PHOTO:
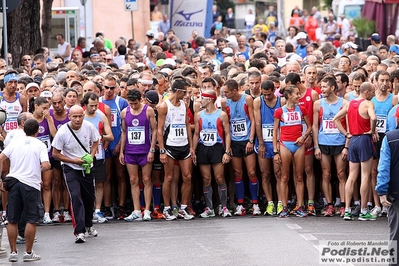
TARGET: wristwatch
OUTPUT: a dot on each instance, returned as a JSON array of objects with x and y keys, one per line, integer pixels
[
  {"x": 228, "y": 153},
  {"x": 152, "y": 150},
  {"x": 251, "y": 141},
  {"x": 276, "y": 152},
  {"x": 162, "y": 151}
]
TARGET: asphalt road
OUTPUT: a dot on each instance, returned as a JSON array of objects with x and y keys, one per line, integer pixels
[{"x": 214, "y": 241}]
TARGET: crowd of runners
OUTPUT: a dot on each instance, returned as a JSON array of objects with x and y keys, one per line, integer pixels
[{"x": 224, "y": 126}]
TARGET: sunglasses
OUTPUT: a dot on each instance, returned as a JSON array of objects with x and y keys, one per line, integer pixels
[
  {"x": 26, "y": 59},
  {"x": 109, "y": 87}
]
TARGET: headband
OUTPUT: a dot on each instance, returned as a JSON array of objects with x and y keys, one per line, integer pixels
[
  {"x": 94, "y": 55},
  {"x": 145, "y": 81},
  {"x": 10, "y": 77},
  {"x": 209, "y": 95}
]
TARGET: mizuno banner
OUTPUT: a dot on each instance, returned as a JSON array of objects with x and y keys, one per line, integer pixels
[{"x": 190, "y": 15}]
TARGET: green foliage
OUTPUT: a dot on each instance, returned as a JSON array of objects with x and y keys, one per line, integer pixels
[
  {"x": 327, "y": 4},
  {"x": 364, "y": 27}
]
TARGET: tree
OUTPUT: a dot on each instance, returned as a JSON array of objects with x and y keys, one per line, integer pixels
[
  {"x": 23, "y": 26},
  {"x": 46, "y": 22}
]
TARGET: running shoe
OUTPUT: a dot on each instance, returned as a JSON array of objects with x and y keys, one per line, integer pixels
[
  {"x": 156, "y": 214},
  {"x": 256, "y": 210},
  {"x": 80, "y": 238},
  {"x": 356, "y": 211},
  {"x": 270, "y": 209},
  {"x": 147, "y": 215},
  {"x": 47, "y": 219},
  {"x": 67, "y": 216},
  {"x": 284, "y": 213},
  {"x": 191, "y": 211},
  {"x": 21, "y": 240},
  {"x": 168, "y": 215},
  {"x": 98, "y": 217},
  {"x": 300, "y": 212},
  {"x": 91, "y": 231},
  {"x": 57, "y": 218},
  {"x": 120, "y": 213},
  {"x": 207, "y": 213},
  {"x": 135, "y": 216},
  {"x": 348, "y": 216},
  {"x": 367, "y": 217},
  {"x": 32, "y": 256},
  {"x": 240, "y": 211},
  {"x": 220, "y": 210},
  {"x": 311, "y": 210},
  {"x": 13, "y": 257},
  {"x": 293, "y": 211},
  {"x": 384, "y": 211},
  {"x": 376, "y": 211},
  {"x": 330, "y": 211},
  {"x": 175, "y": 212},
  {"x": 225, "y": 212},
  {"x": 280, "y": 207},
  {"x": 185, "y": 214},
  {"x": 107, "y": 213},
  {"x": 3, "y": 220},
  {"x": 342, "y": 211}
]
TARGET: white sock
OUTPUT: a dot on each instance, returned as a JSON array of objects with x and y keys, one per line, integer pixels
[
  {"x": 47, "y": 214},
  {"x": 182, "y": 207},
  {"x": 369, "y": 203},
  {"x": 357, "y": 202},
  {"x": 325, "y": 201},
  {"x": 97, "y": 210}
]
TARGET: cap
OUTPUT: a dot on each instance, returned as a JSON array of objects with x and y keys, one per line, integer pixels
[
  {"x": 227, "y": 50},
  {"x": 159, "y": 62},
  {"x": 38, "y": 79},
  {"x": 375, "y": 37},
  {"x": 152, "y": 97},
  {"x": 32, "y": 84},
  {"x": 75, "y": 82},
  {"x": 150, "y": 33},
  {"x": 394, "y": 48},
  {"x": 300, "y": 35},
  {"x": 167, "y": 71},
  {"x": 295, "y": 57},
  {"x": 46, "y": 94},
  {"x": 169, "y": 61},
  {"x": 349, "y": 45}
]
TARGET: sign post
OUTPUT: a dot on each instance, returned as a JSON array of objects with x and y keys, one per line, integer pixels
[{"x": 131, "y": 5}]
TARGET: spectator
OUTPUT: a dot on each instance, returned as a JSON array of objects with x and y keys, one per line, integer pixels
[
  {"x": 230, "y": 19},
  {"x": 164, "y": 25},
  {"x": 272, "y": 17},
  {"x": 249, "y": 22},
  {"x": 156, "y": 14}
]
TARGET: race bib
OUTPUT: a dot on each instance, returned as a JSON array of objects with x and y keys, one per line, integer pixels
[
  {"x": 114, "y": 116},
  {"x": 381, "y": 124},
  {"x": 136, "y": 135},
  {"x": 329, "y": 127},
  {"x": 11, "y": 124},
  {"x": 239, "y": 127},
  {"x": 46, "y": 141},
  {"x": 178, "y": 132},
  {"x": 208, "y": 137},
  {"x": 267, "y": 132},
  {"x": 292, "y": 118}
]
